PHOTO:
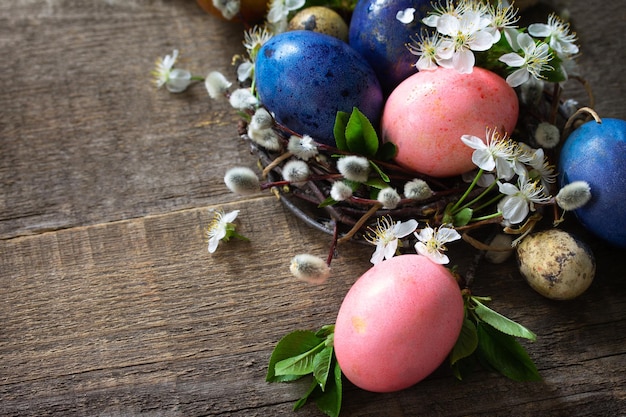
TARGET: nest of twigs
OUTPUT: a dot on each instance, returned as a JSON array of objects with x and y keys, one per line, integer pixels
[{"x": 354, "y": 219}]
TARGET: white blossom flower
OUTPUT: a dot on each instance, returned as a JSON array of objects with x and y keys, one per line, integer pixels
[
  {"x": 520, "y": 200},
  {"x": 450, "y": 8},
  {"x": 279, "y": 12},
  {"x": 389, "y": 198},
  {"x": 573, "y": 195},
  {"x": 303, "y": 147},
  {"x": 431, "y": 242},
  {"x": 426, "y": 48},
  {"x": 353, "y": 167},
  {"x": 541, "y": 169},
  {"x": 406, "y": 16},
  {"x": 241, "y": 180},
  {"x": 340, "y": 191},
  {"x": 462, "y": 36},
  {"x": 309, "y": 268},
  {"x": 228, "y": 8},
  {"x": 174, "y": 79},
  {"x": 557, "y": 34},
  {"x": 254, "y": 39},
  {"x": 503, "y": 18},
  {"x": 533, "y": 62},
  {"x": 494, "y": 153},
  {"x": 216, "y": 84},
  {"x": 245, "y": 70},
  {"x": 218, "y": 228},
  {"x": 296, "y": 172},
  {"x": 386, "y": 237},
  {"x": 242, "y": 99}
]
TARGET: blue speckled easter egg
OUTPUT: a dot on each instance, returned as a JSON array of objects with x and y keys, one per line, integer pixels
[
  {"x": 305, "y": 77},
  {"x": 381, "y": 38},
  {"x": 595, "y": 153}
]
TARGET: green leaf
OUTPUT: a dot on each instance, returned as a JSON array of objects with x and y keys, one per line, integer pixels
[
  {"x": 329, "y": 402},
  {"x": 380, "y": 172},
  {"x": 360, "y": 135},
  {"x": 293, "y": 344},
  {"x": 329, "y": 201},
  {"x": 310, "y": 393},
  {"x": 463, "y": 217},
  {"x": 377, "y": 183},
  {"x": 301, "y": 364},
  {"x": 500, "y": 322},
  {"x": 321, "y": 366},
  {"x": 505, "y": 354},
  {"x": 467, "y": 342},
  {"x": 339, "y": 130}
]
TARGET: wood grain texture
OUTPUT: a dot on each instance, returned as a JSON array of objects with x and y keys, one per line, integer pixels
[{"x": 110, "y": 304}]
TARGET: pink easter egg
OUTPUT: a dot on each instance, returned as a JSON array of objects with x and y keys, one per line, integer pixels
[{"x": 426, "y": 115}]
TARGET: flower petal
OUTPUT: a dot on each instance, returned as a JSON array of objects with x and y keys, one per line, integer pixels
[{"x": 404, "y": 229}]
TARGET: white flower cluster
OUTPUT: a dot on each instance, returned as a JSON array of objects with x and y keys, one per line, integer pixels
[
  {"x": 503, "y": 159},
  {"x": 430, "y": 242},
  {"x": 468, "y": 26}
]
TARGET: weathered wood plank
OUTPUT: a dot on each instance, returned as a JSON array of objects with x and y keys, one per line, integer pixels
[
  {"x": 135, "y": 317},
  {"x": 86, "y": 137}
]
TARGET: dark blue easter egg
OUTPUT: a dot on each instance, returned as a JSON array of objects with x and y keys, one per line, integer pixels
[
  {"x": 381, "y": 38},
  {"x": 596, "y": 153},
  {"x": 305, "y": 77}
]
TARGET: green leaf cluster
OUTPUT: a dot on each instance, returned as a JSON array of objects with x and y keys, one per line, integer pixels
[
  {"x": 489, "y": 338},
  {"x": 306, "y": 353},
  {"x": 354, "y": 133}
]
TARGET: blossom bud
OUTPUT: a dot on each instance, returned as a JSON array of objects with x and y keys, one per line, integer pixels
[
  {"x": 296, "y": 172},
  {"x": 573, "y": 195},
  {"x": 267, "y": 138},
  {"x": 354, "y": 168},
  {"x": 340, "y": 191},
  {"x": 216, "y": 84},
  {"x": 241, "y": 180},
  {"x": 547, "y": 135},
  {"x": 302, "y": 147},
  {"x": 242, "y": 99},
  {"x": 262, "y": 119},
  {"x": 417, "y": 189},
  {"x": 389, "y": 198},
  {"x": 309, "y": 268}
]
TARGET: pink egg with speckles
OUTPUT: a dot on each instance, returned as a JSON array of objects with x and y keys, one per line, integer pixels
[{"x": 426, "y": 115}]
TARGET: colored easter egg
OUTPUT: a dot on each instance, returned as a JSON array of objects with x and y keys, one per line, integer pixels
[
  {"x": 426, "y": 115},
  {"x": 398, "y": 323},
  {"x": 320, "y": 19},
  {"x": 382, "y": 39},
  {"x": 305, "y": 78},
  {"x": 594, "y": 153}
]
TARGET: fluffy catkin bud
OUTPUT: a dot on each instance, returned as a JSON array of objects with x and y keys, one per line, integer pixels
[
  {"x": 262, "y": 119},
  {"x": 547, "y": 135},
  {"x": 340, "y": 191},
  {"x": 216, "y": 84},
  {"x": 573, "y": 195},
  {"x": 303, "y": 147},
  {"x": 296, "y": 172},
  {"x": 241, "y": 180},
  {"x": 309, "y": 268},
  {"x": 242, "y": 99},
  {"x": 417, "y": 189},
  {"x": 389, "y": 198},
  {"x": 354, "y": 168}
]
